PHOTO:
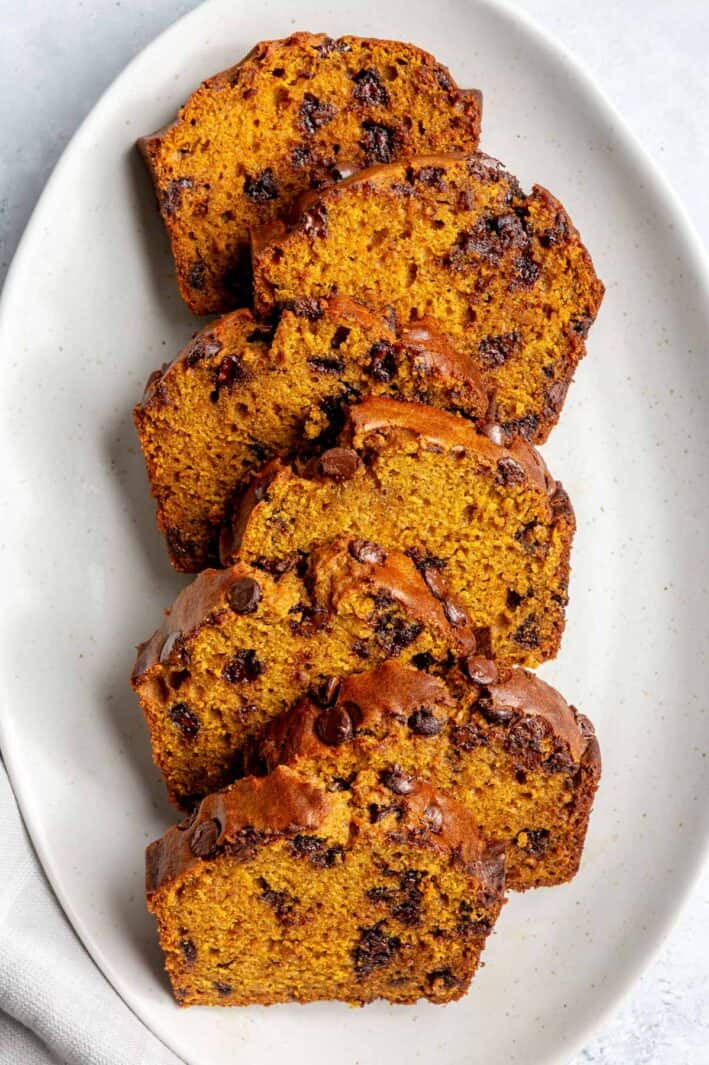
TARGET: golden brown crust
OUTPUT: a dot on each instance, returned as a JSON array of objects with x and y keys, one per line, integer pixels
[{"x": 284, "y": 803}]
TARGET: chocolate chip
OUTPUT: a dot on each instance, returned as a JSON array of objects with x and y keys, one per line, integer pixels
[
  {"x": 172, "y": 196},
  {"x": 339, "y": 337},
  {"x": 202, "y": 347},
  {"x": 424, "y": 562},
  {"x": 244, "y": 595},
  {"x": 310, "y": 309},
  {"x": 230, "y": 372},
  {"x": 433, "y": 817},
  {"x": 328, "y": 46},
  {"x": 526, "y": 271},
  {"x": 480, "y": 670},
  {"x": 554, "y": 397},
  {"x": 339, "y": 463},
  {"x": 483, "y": 641},
  {"x": 382, "y": 361},
  {"x": 295, "y": 560},
  {"x": 423, "y": 722},
  {"x": 324, "y": 365},
  {"x": 262, "y": 335},
  {"x": 317, "y": 851},
  {"x": 443, "y": 78},
  {"x": 314, "y": 220},
  {"x": 366, "y": 551},
  {"x": 454, "y": 614},
  {"x": 203, "y": 841},
  {"x": 434, "y": 582},
  {"x": 197, "y": 275},
  {"x": 369, "y": 89},
  {"x": 397, "y": 780},
  {"x": 281, "y": 902},
  {"x": 524, "y": 741},
  {"x": 262, "y": 187},
  {"x": 467, "y": 737},
  {"x": 526, "y": 427},
  {"x": 379, "y": 142},
  {"x": 184, "y": 720},
  {"x": 325, "y": 694},
  {"x": 189, "y": 951},
  {"x": 334, "y": 726},
  {"x": 243, "y": 666},
  {"x": 495, "y": 350},
  {"x": 582, "y": 324},
  {"x": 433, "y": 177},
  {"x": 243, "y": 846},
  {"x": 374, "y": 950},
  {"x": 527, "y": 634},
  {"x": 556, "y": 233},
  {"x": 314, "y": 114},
  {"x": 310, "y": 620},
  {"x": 493, "y": 713},
  {"x": 484, "y": 167},
  {"x": 509, "y": 471},
  {"x": 359, "y": 648},
  {"x": 533, "y": 840},
  {"x": 221, "y": 988},
  {"x": 394, "y": 633}
]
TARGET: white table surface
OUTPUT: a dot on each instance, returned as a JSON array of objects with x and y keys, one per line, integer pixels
[{"x": 652, "y": 60}]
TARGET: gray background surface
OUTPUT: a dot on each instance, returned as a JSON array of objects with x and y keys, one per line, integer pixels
[{"x": 652, "y": 60}]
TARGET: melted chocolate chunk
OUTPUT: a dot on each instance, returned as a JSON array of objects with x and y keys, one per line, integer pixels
[
  {"x": 433, "y": 818},
  {"x": 310, "y": 309},
  {"x": 366, "y": 551},
  {"x": 321, "y": 364},
  {"x": 317, "y": 851},
  {"x": 243, "y": 666},
  {"x": 229, "y": 373},
  {"x": 484, "y": 167},
  {"x": 467, "y": 737},
  {"x": 554, "y": 397},
  {"x": 433, "y": 177},
  {"x": 483, "y": 641},
  {"x": 172, "y": 197},
  {"x": 184, "y": 720},
  {"x": 262, "y": 187},
  {"x": 339, "y": 337},
  {"x": 509, "y": 471},
  {"x": 524, "y": 742},
  {"x": 189, "y": 951},
  {"x": 526, "y": 271},
  {"x": 296, "y": 560},
  {"x": 379, "y": 142},
  {"x": 325, "y": 694},
  {"x": 533, "y": 840},
  {"x": 526, "y": 427},
  {"x": 582, "y": 325},
  {"x": 202, "y": 347},
  {"x": 488, "y": 240},
  {"x": 527, "y": 634},
  {"x": 393, "y": 633},
  {"x": 374, "y": 950},
  {"x": 314, "y": 114},
  {"x": 382, "y": 361},
  {"x": 369, "y": 89},
  {"x": 203, "y": 841},
  {"x": 281, "y": 902},
  {"x": 423, "y": 722},
  {"x": 244, "y": 595},
  {"x": 442, "y": 977},
  {"x": 221, "y": 988},
  {"x": 328, "y": 46},
  {"x": 397, "y": 780},
  {"x": 197, "y": 275},
  {"x": 339, "y": 463},
  {"x": 244, "y": 844},
  {"x": 314, "y": 220},
  {"x": 377, "y": 813},
  {"x": 301, "y": 156},
  {"x": 495, "y": 350},
  {"x": 335, "y": 726}
]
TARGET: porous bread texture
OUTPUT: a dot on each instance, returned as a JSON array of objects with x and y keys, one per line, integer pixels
[
  {"x": 503, "y": 743},
  {"x": 290, "y": 116},
  {"x": 281, "y": 891},
  {"x": 454, "y": 237},
  {"x": 490, "y": 520},
  {"x": 239, "y": 645},
  {"x": 238, "y": 395}
]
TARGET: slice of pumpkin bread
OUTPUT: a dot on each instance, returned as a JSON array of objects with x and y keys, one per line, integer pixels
[
  {"x": 454, "y": 237},
  {"x": 291, "y": 115},
  {"x": 239, "y": 645},
  {"x": 502, "y": 742},
  {"x": 238, "y": 395},
  {"x": 489, "y": 519},
  {"x": 278, "y": 890}
]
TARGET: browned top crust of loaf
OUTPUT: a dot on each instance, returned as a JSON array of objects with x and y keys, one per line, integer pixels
[
  {"x": 254, "y": 810},
  {"x": 293, "y": 114},
  {"x": 333, "y": 569},
  {"x": 395, "y": 690},
  {"x": 453, "y": 236}
]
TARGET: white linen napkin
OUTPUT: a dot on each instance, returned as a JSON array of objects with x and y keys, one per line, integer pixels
[{"x": 56, "y": 1007}]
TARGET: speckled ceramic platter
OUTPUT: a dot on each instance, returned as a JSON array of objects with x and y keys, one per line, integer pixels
[{"x": 90, "y": 307}]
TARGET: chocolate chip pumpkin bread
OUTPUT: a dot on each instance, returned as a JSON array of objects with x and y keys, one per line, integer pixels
[
  {"x": 238, "y": 395},
  {"x": 239, "y": 645},
  {"x": 454, "y": 237},
  {"x": 291, "y": 115},
  {"x": 279, "y": 890},
  {"x": 502, "y": 742},
  {"x": 490, "y": 520}
]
